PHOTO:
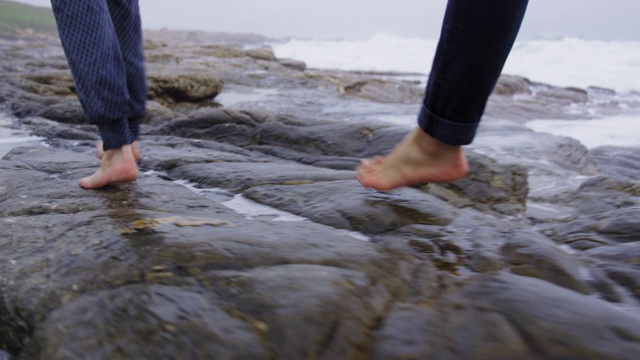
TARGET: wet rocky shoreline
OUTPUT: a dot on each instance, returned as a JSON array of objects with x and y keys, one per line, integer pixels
[{"x": 535, "y": 255}]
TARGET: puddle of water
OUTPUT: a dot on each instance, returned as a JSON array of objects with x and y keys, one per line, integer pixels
[
  {"x": 252, "y": 210},
  {"x": 238, "y": 203},
  {"x": 12, "y": 136},
  {"x": 234, "y": 98},
  {"x": 249, "y": 208},
  {"x": 214, "y": 194}
]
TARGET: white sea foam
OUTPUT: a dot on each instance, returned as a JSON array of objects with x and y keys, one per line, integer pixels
[
  {"x": 578, "y": 62},
  {"x": 381, "y": 52},
  {"x": 560, "y": 61}
]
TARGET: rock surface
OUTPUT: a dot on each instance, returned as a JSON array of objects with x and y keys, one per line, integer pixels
[{"x": 247, "y": 235}]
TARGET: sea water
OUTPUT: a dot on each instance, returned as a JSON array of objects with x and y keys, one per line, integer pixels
[
  {"x": 564, "y": 62},
  {"x": 556, "y": 61},
  {"x": 615, "y": 130},
  {"x": 11, "y": 136}
]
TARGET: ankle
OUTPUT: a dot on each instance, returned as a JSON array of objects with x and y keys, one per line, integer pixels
[{"x": 433, "y": 146}]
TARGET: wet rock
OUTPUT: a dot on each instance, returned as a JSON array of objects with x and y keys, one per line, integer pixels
[
  {"x": 436, "y": 247},
  {"x": 416, "y": 332},
  {"x": 621, "y": 225},
  {"x": 152, "y": 45},
  {"x": 600, "y": 90},
  {"x": 307, "y": 136},
  {"x": 600, "y": 195},
  {"x": 48, "y": 84},
  {"x": 514, "y": 144},
  {"x": 625, "y": 276},
  {"x": 111, "y": 234},
  {"x": 24, "y": 104},
  {"x": 383, "y": 91},
  {"x": 322, "y": 161},
  {"x": 470, "y": 243},
  {"x": 433, "y": 271},
  {"x": 329, "y": 138},
  {"x": 517, "y": 326},
  {"x": 622, "y": 253},
  {"x": 526, "y": 322},
  {"x": 536, "y": 256},
  {"x": 166, "y": 88},
  {"x": 163, "y": 56},
  {"x": 66, "y": 111},
  {"x": 509, "y": 85},
  {"x": 261, "y": 54},
  {"x": 569, "y": 95},
  {"x": 494, "y": 186},
  {"x": 138, "y": 314},
  {"x": 484, "y": 261},
  {"x": 158, "y": 115},
  {"x": 345, "y": 205},
  {"x": 609, "y": 186},
  {"x": 220, "y": 51},
  {"x": 168, "y": 153},
  {"x": 365, "y": 86},
  {"x": 54, "y": 131},
  {"x": 215, "y": 124},
  {"x": 608, "y": 228},
  {"x": 238, "y": 177},
  {"x": 272, "y": 296},
  {"x": 293, "y": 64},
  {"x": 405, "y": 333},
  {"x": 617, "y": 162},
  {"x": 524, "y": 107}
]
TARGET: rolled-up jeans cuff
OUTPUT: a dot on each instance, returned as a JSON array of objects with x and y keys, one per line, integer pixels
[
  {"x": 115, "y": 134},
  {"x": 447, "y": 131}
]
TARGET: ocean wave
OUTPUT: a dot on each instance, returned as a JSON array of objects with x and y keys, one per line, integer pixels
[{"x": 560, "y": 61}]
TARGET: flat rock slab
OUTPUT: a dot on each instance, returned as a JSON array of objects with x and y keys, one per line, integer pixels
[
  {"x": 346, "y": 205},
  {"x": 132, "y": 250},
  {"x": 523, "y": 320},
  {"x": 238, "y": 177}
]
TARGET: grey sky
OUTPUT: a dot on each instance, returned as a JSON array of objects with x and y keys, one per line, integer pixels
[{"x": 589, "y": 19}]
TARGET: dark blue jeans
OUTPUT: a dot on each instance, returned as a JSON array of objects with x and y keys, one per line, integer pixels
[
  {"x": 102, "y": 40},
  {"x": 476, "y": 38}
]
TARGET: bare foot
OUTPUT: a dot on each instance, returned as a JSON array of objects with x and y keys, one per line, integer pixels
[
  {"x": 118, "y": 166},
  {"x": 100, "y": 150},
  {"x": 418, "y": 158}
]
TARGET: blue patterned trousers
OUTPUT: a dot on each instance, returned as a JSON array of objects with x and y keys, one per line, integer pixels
[
  {"x": 476, "y": 38},
  {"x": 102, "y": 40}
]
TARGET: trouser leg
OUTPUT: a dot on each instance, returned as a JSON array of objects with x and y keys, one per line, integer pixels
[
  {"x": 93, "y": 53},
  {"x": 476, "y": 38},
  {"x": 126, "y": 20}
]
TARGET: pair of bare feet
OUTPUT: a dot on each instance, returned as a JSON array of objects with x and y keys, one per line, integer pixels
[
  {"x": 418, "y": 158},
  {"x": 117, "y": 166}
]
